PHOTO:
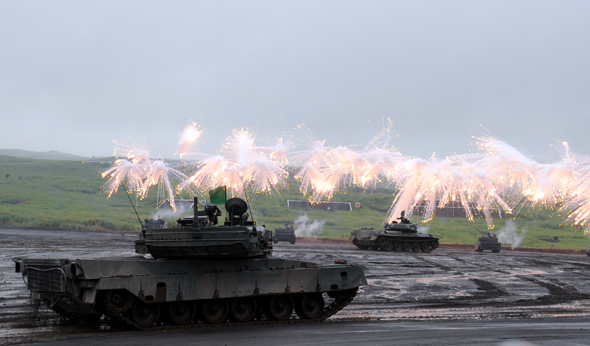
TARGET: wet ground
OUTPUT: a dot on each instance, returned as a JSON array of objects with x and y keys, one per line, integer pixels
[{"x": 445, "y": 286}]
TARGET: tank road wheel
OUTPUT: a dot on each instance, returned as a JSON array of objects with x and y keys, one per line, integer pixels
[
  {"x": 214, "y": 311},
  {"x": 242, "y": 309},
  {"x": 416, "y": 247},
  {"x": 118, "y": 301},
  {"x": 381, "y": 243},
  {"x": 434, "y": 244},
  {"x": 279, "y": 308},
  {"x": 310, "y": 306},
  {"x": 145, "y": 315},
  {"x": 389, "y": 245},
  {"x": 426, "y": 247},
  {"x": 398, "y": 246},
  {"x": 407, "y": 246},
  {"x": 181, "y": 312}
]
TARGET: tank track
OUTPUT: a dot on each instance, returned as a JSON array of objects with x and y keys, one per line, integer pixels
[
  {"x": 399, "y": 244},
  {"x": 341, "y": 300}
]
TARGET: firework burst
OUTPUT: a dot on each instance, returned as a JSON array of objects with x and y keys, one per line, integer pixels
[{"x": 497, "y": 177}]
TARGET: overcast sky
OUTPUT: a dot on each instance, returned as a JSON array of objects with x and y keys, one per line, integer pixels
[{"x": 76, "y": 75}]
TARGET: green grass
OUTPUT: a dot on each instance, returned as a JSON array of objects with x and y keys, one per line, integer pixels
[
  {"x": 539, "y": 225},
  {"x": 67, "y": 195},
  {"x": 62, "y": 194}
]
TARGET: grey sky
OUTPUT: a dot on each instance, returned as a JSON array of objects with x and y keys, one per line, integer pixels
[{"x": 76, "y": 75}]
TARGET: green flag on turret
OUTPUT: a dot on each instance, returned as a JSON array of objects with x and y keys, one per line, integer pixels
[{"x": 218, "y": 195}]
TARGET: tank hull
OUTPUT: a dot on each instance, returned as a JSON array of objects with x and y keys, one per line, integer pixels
[
  {"x": 144, "y": 292},
  {"x": 284, "y": 234},
  {"x": 387, "y": 240}
]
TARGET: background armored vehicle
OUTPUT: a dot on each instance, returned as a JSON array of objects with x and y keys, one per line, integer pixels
[
  {"x": 198, "y": 273},
  {"x": 286, "y": 233},
  {"x": 488, "y": 242},
  {"x": 402, "y": 236}
]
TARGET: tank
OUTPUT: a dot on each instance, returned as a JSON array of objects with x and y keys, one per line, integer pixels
[
  {"x": 488, "y": 242},
  {"x": 395, "y": 236},
  {"x": 194, "y": 274},
  {"x": 286, "y": 233}
]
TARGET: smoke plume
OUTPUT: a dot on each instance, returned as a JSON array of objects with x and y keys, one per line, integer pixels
[
  {"x": 509, "y": 235},
  {"x": 423, "y": 229},
  {"x": 303, "y": 226}
]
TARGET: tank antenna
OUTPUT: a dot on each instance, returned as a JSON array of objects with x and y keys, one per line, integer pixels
[
  {"x": 135, "y": 210},
  {"x": 246, "y": 195}
]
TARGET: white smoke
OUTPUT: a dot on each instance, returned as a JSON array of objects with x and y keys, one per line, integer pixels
[
  {"x": 305, "y": 228},
  {"x": 168, "y": 213},
  {"x": 423, "y": 229},
  {"x": 509, "y": 235}
]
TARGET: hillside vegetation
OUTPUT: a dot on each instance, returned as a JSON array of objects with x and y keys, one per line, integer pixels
[{"x": 67, "y": 195}]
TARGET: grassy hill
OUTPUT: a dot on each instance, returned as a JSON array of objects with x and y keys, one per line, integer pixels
[
  {"x": 45, "y": 155},
  {"x": 67, "y": 195}
]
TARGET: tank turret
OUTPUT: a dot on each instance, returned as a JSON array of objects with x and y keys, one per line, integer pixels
[
  {"x": 237, "y": 237},
  {"x": 404, "y": 226}
]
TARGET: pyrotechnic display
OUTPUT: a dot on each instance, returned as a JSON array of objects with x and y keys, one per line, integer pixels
[{"x": 495, "y": 177}]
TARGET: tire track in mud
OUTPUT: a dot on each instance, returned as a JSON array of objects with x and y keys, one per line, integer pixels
[
  {"x": 488, "y": 289},
  {"x": 486, "y": 294},
  {"x": 442, "y": 285},
  {"x": 558, "y": 292}
]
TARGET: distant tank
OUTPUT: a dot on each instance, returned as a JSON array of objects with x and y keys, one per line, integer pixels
[
  {"x": 286, "y": 233},
  {"x": 198, "y": 273},
  {"x": 488, "y": 242},
  {"x": 402, "y": 236}
]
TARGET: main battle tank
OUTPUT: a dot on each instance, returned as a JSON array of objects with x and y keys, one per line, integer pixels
[
  {"x": 286, "y": 233},
  {"x": 198, "y": 273},
  {"x": 488, "y": 242},
  {"x": 402, "y": 236}
]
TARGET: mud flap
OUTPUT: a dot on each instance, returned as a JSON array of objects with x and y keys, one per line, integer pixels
[{"x": 89, "y": 295}]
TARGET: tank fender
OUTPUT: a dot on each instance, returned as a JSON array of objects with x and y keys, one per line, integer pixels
[
  {"x": 341, "y": 277},
  {"x": 356, "y": 278}
]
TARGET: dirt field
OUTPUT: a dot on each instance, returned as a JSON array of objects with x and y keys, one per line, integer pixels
[{"x": 450, "y": 284}]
